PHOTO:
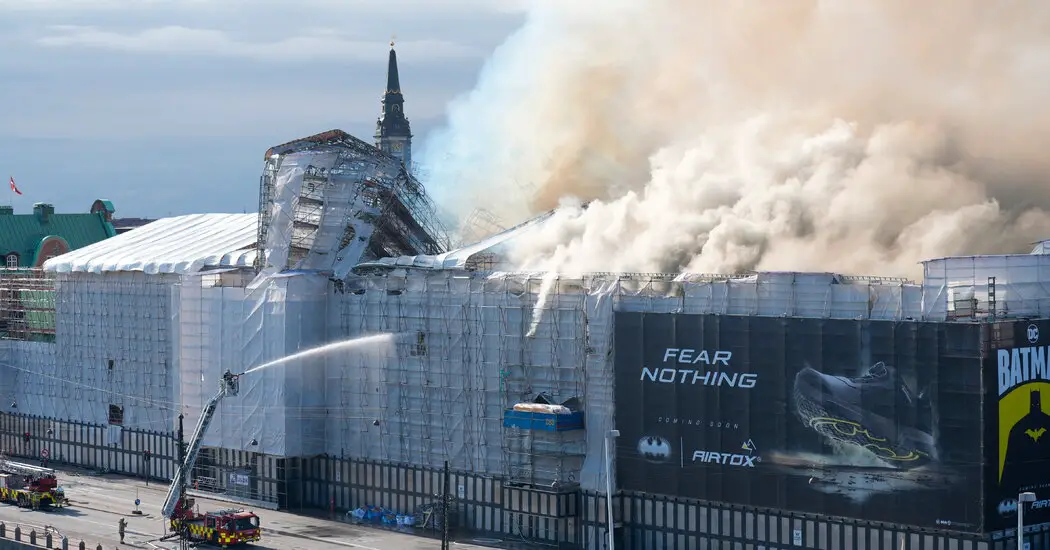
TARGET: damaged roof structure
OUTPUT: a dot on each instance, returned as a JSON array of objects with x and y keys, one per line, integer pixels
[
  {"x": 488, "y": 254},
  {"x": 330, "y": 201}
]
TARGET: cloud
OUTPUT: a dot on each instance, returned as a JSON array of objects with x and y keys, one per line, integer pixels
[
  {"x": 74, "y": 6},
  {"x": 345, "y": 6},
  {"x": 179, "y": 40}
]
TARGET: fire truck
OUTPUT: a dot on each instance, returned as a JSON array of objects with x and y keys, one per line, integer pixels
[
  {"x": 29, "y": 486},
  {"x": 221, "y": 527},
  {"x": 224, "y": 528}
]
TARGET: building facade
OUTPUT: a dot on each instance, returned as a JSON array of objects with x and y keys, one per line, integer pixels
[{"x": 28, "y": 240}]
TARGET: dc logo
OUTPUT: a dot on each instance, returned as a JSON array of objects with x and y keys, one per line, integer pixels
[{"x": 1033, "y": 334}]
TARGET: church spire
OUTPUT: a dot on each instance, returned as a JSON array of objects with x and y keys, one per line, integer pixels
[
  {"x": 393, "y": 83},
  {"x": 393, "y": 132}
]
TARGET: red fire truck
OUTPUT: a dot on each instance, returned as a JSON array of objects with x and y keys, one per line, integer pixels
[
  {"x": 221, "y": 527},
  {"x": 29, "y": 486}
]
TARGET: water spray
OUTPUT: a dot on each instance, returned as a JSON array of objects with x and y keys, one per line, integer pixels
[{"x": 375, "y": 340}]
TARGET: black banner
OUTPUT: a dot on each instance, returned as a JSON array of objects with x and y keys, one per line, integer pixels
[
  {"x": 1018, "y": 408},
  {"x": 875, "y": 420}
]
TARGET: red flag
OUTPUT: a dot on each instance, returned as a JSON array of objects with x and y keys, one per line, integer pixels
[{"x": 14, "y": 187}]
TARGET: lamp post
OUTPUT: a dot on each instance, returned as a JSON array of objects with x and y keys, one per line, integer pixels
[
  {"x": 609, "y": 436},
  {"x": 1022, "y": 499}
]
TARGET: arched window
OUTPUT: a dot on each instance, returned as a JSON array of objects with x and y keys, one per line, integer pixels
[{"x": 12, "y": 260}]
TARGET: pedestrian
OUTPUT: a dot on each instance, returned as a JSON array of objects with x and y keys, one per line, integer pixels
[{"x": 121, "y": 525}]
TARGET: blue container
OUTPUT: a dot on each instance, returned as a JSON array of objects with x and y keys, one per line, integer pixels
[{"x": 544, "y": 422}]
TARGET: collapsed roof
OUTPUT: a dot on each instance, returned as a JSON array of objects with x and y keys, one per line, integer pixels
[
  {"x": 331, "y": 201},
  {"x": 484, "y": 255}
]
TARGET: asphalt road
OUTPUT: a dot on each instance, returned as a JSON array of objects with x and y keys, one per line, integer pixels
[{"x": 98, "y": 502}]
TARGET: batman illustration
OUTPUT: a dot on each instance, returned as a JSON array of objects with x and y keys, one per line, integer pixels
[
  {"x": 654, "y": 448},
  {"x": 1027, "y": 447}
]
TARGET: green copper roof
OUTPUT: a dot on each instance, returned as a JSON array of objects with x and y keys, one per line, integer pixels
[{"x": 23, "y": 233}]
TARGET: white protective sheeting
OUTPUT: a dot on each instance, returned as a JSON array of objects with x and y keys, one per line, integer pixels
[
  {"x": 113, "y": 349},
  {"x": 27, "y": 380},
  {"x": 959, "y": 287},
  {"x": 461, "y": 359},
  {"x": 235, "y": 328},
  {"x": 319, "y": 198},
  {"x": 181, "y": 244},
  {"x": 287, "y": 185}
]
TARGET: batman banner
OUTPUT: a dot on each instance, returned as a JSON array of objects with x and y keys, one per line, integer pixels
[
  {"x": 874, "y": 420},
  {"x": 1019, "y": 420}
]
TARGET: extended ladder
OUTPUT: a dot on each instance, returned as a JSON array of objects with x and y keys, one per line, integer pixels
[{"x": 7, "y": 466}]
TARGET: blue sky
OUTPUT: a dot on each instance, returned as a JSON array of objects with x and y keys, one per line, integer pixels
[{"x": 166, "y": 106}]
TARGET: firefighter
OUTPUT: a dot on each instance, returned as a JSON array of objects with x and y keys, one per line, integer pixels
[{"x": 121, "y": 525}]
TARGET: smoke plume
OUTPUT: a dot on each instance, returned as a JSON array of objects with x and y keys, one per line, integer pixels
[{"x": 711, "y": 136}]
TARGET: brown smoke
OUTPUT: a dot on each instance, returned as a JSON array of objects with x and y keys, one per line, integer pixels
[{"x": 858, "y": 136}]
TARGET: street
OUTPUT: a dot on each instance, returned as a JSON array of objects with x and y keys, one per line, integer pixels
[{"x": 97, "y": 503}]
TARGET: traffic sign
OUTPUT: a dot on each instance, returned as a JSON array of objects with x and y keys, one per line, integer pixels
[
  {"x": 44, "y": 453},
  {"x": 137, "y": 502}
]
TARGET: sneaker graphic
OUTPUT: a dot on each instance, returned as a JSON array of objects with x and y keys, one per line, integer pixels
[{"x": 876, "y": 411}]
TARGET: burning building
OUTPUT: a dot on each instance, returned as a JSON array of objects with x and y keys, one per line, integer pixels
[{"x": 762, "y": 408}]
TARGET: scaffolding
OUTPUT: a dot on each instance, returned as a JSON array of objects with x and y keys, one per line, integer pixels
[
  {"x": 131, "y": 350},
  {"x": 464, "y": 358},
  {"x": 95, "y": 349},
  {"x": 335, "y": 200},
  {"x": 480, "y": 224},
  {"x": 542, "y": 452},
  {"x": 251, "y": 451},
  {"x": 987, "y": 288},
  {"x": 27, "y": 305}
]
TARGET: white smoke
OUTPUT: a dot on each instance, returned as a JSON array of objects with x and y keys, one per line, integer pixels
[{"x": 711, "y": 136}]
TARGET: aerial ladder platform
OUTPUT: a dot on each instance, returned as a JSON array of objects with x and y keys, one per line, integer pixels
[{"x": 225, "y": 528}]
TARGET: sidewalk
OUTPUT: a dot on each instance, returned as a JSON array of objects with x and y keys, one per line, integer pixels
[
  {"x": 113, "y": 495},
  {"x": 462, "y": 538}
]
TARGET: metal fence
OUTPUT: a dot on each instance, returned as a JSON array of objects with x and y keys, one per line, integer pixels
[
  {"x": 485, "y": 506},
  {"x": 98, "y": 447},
  {"x": 677, "y": 524}
]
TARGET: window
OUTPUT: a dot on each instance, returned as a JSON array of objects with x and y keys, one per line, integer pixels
[
  {"x": 12, "y": 260},
  {"x": 246, "y": 524},
  {"x": 420, "y": 347},
  {"x": 116, "y": 415}
]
